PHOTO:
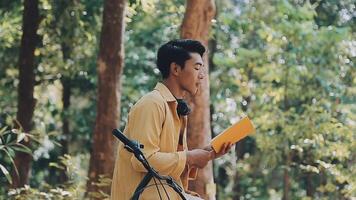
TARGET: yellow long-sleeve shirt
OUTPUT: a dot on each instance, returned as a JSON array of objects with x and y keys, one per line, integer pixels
[{"x": 154, "y": 122}]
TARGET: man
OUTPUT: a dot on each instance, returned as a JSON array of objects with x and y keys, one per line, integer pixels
[{"x": 158, "y": 121}]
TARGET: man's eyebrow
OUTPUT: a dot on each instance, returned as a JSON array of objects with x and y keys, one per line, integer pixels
[{"x": 199, "y": 63}]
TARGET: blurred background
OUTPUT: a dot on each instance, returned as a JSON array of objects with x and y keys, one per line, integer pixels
[{"x": 287, "y": 64}]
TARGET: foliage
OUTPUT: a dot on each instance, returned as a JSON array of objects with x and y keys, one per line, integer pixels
[
  {"x": 103, "y": 182},
  {"x": 74, "y": 188},
  {"x": 10, "y": 142},
  {"x": 149, "y": 26},
  {"x": 288, "y": 64},
  {"x": 293, "y": 78}
]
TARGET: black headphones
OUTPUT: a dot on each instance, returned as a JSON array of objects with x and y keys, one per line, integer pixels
[{"x": 183, "y": 108}]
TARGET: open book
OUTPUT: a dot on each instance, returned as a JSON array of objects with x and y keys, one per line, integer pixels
[{"x": 233, "y": 134}]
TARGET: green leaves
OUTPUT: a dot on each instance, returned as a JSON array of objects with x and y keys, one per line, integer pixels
[
  {"x": 292, "y": 67},
  {"x": 9, "y": 145},
  {"x": 6, "y": 173}
]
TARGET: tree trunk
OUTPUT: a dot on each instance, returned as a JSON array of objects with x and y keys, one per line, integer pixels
[
  {"x": 67, "y": 37},
  {"x": 287, "y": 169},
  {"x": 66, "y": 93},
  {"x": 286, "y": 181},
  {"x": 26, "y": 101},
  {"x": 66, "y": 82},
  {"x": 309, "y": 184},
  {"x": 241, "y": 147},
  {"x": 239, "y": 151},
  {"x": 109, "y": 66},
  {"x": 196, "y": 25}
]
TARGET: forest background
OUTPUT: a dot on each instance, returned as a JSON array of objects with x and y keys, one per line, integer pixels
[{"x": 287, "y": 64}]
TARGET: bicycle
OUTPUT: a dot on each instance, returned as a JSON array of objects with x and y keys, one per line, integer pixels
[{"x": 135, "y": 148}]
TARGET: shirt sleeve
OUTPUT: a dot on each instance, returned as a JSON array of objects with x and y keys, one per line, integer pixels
[{"x": 145, "y": 125}]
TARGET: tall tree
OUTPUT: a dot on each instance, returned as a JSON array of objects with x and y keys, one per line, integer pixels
[
  {"x": 109, "y": 66},
  {"x": 67, "y": 41},
  {"x": 26, "y": 101},
  {"x": 196, "y": 25}
]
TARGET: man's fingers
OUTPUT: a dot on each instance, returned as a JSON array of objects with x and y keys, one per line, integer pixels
[
  {"x": 228, "y": 147},
  {"x": 223, "y": 149},
  {"x": 212, "y": 154}
]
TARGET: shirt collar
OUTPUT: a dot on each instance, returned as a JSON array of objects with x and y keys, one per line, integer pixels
[{"x": 165, "y": 92}]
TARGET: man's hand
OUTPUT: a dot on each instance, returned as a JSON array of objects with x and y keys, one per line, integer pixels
[
  {"x": 225, "y": 148},
  {"x": 198, "y": 157}
]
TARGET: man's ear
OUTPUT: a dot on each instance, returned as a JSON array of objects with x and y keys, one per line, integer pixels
[{"x": 175, "y": 69}]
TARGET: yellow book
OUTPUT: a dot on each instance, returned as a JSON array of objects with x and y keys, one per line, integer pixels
[{"x": 233, "y": 134}]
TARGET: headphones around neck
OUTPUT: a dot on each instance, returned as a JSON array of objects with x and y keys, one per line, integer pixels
[{"x": 183, "y": 108}]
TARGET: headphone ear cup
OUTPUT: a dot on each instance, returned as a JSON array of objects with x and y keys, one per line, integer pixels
[{"x": 183, "y": 107}]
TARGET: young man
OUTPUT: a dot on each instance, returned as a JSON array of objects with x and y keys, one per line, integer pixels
[{"x": 158, "y": 121}]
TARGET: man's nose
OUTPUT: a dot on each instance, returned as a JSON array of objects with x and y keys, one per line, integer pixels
[{"x": 201, "y": 74}]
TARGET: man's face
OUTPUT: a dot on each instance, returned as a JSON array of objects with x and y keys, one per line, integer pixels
[{"x": 192, "y": 74}]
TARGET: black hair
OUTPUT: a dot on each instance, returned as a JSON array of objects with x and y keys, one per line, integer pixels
[{"x": 177, "y": 51}]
